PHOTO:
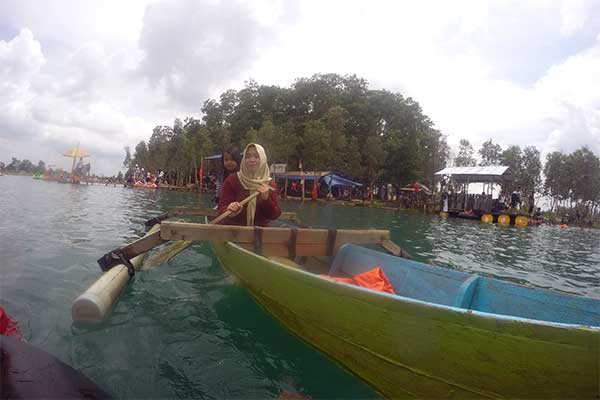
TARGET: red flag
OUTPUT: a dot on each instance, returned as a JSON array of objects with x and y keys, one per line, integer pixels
[
  {"x": 201, "y": 175},
  {"x": 8, "y": 326}
]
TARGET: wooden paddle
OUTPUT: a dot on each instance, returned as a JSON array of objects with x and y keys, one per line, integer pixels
[
  {"x": 228, "y": 213},
  {"x": 196, "y": 211},
  {"x": 178, "y": 246},
  {"x": 148, "y": 242},
  {"x": 199, "y": 211}
]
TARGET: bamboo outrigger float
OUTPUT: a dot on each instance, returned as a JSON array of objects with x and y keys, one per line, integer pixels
[{"x": 443, "y": 334}]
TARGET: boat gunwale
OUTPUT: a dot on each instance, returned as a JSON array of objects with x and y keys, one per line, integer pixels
[{"x": 442, "y": 307}]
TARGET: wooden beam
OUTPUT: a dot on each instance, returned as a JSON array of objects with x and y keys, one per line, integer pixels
[
  {"x": 142, "y": 245},
  {"x": 394, "y": 249},
  {"x": 275, "y": 241},
  {"x": 391, "y": 247},
  {"x": 288, "y": 216}
]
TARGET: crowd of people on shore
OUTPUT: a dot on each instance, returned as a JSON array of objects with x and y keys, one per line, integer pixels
[{"x": 142, "y": 177}]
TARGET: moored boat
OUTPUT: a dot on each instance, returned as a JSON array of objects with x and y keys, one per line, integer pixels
[
  {"x": 444, "y": 334},
  {"x": 143, "y": 185}
]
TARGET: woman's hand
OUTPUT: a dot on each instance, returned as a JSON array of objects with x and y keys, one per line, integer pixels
[
  {"x": 264, "y": 192},
  {"x": 235, "y": 208}
]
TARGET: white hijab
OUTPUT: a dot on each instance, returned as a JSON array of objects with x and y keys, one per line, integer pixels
[{"x": 252, "y": 181}]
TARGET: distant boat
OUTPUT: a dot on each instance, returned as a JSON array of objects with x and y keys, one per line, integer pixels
[{"x": 444, "y": 334}]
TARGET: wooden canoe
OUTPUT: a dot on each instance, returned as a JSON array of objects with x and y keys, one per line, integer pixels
[{"x": 446, "y": 334}]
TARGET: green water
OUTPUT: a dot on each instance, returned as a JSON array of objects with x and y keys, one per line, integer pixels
[{"x": 186, "y": 329}]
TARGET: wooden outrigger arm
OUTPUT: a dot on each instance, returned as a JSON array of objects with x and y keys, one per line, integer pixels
[
  {"x": 124, "y": 254},
  {"x": 119, "y": 265},
  {"x": 264, "y": 240}
]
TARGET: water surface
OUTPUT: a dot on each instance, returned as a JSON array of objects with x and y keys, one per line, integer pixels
[{"x": 187, "y": 329}]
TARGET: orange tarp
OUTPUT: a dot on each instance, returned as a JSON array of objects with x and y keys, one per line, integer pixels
[{"x": 373, "y": 279}]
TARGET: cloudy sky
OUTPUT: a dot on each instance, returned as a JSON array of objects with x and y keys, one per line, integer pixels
[{"x": 104, "y": 73}]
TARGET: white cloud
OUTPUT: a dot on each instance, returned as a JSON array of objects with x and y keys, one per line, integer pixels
[
  {"x": 105, "y": 73},
  {"x": 191, "y": 48},
  {"x": 573, "y": 16},
  {"x": 20, "y": 58}
]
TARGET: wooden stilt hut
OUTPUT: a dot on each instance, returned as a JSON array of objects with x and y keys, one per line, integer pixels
[{"x": 481, "y": 206}]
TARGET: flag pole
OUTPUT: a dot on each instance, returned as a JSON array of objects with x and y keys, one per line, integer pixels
[
  {"x": 201, "y": 173},
  {"x": 302, "y": 180},
  {"x": 74, "y": 159}
]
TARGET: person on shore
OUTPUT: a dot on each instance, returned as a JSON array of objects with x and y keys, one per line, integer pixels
[
  {"x": 253, "y": 177},
  {"x": 79, "y": 166},
  {"x": 537, "y": 216},
  {"x": 445, "y": 201},
  {"x": 515, "y": 201},
  {"x": 231, "y": 159},
  {"x": 294, "y": 187},
  {"x": 314, "y": 193}
]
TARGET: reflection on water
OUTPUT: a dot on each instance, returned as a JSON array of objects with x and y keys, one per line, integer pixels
[{"x": 187, "y": 329}]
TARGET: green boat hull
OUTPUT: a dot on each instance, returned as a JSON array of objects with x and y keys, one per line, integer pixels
[{"x": 407, "y": 348}]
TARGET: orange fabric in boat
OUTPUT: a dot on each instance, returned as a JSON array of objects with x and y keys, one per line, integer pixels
[{"x": 373, "y": 279}]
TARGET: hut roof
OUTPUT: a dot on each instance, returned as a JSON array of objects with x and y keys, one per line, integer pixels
[{"x": 493, "y": 173}]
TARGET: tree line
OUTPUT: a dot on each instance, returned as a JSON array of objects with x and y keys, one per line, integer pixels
[
  {"x": 328, "y": 121},
  {"x": 569, "y": 180},
  {"x": 337, "y": 123},
  {"x": 26, "y": 166}
]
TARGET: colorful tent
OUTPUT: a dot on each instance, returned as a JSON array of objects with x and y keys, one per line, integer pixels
[{"x": 333, "y": 180}]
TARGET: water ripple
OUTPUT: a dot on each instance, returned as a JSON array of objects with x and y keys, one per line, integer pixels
[{"x": 187, "y": 329}]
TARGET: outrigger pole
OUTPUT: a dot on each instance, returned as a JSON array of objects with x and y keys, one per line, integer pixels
[{"x": 119, "y": 265}]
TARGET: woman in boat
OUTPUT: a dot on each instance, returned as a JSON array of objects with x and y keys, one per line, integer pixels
[
  {"x": 231, "y": 160},
  {"x": 253, "y": 177}
]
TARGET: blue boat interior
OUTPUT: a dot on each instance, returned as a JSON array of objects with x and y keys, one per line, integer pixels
[{"x": 454, "y": 288}]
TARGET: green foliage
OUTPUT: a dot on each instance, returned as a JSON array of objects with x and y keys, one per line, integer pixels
[
  {"x": 127, "y": 160},
  {"x": 491, "y": 153},
  {"x": 531, "y": 170},
  {"x": 573, "y": 180},
  {"x": 335, "y": 121},
  {"x": 353, "y": 161},
  {"x": 313, "y": 148},
  {"x": 586, "y": 172},
  {"x": 26, "y": 166},
  {"x": 403, "y": 159},
  {"x": 374, "y": 157},
  {"x": 141, "y": 155},
  {"x": 511, "y": 157},
  {"x": 285, "y": 143},
  {"x": 326, "y": 120},
  {"x": 465, "y": 155},
  {"x": 40, "y": 168},
  {"x": 250, "y": 137}
]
